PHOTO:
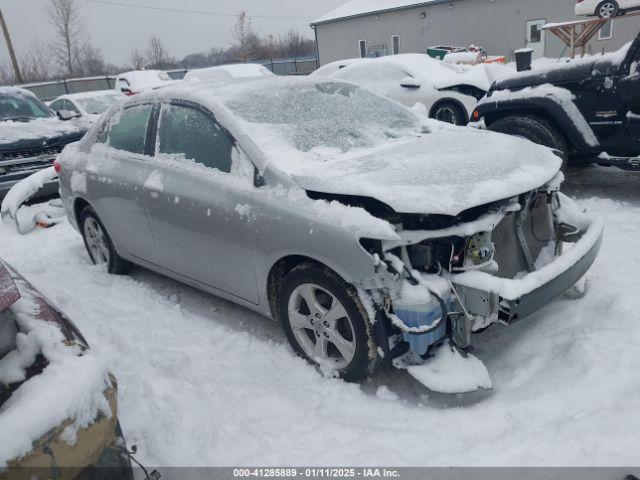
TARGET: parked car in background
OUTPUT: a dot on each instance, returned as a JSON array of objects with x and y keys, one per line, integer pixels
[
  {"x": 226, "y": 72},
  {"x": 333, "y": 67},
  {"x": 605, "y": 8},
  {"x": 362, "y": 226},
  {"x": 449, "y": 92},
  {"x": 31, "y": 136},
  {"x": 134, "y": 82},
  {"x": 88, "y": 106},
  {"x": 586, "y": 108},
  {"x": 58, "y": 402}
]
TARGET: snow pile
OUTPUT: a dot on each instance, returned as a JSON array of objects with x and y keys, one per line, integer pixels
[
  {"x": 23, "y": 191},
  {"x": 449, "y": 372},
  {"x": 70, "y": 387},
  {"x": 225, "y": 388},
  {"x": 562, "y": 96}
]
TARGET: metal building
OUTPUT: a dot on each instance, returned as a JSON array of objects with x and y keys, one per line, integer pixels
[{"x": 384, "y": 27}]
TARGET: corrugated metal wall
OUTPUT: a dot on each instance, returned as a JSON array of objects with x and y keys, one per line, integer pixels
[{"x": 497, "y": 25}]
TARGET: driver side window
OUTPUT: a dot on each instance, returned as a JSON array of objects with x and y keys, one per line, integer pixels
[{"x": 189, "y": 131}]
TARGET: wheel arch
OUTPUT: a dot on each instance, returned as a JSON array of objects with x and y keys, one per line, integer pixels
[
  {"x": 574, "y": 140},
  {"x": 452, "y": 100},
  {"x": 79, "y": 204},
  {"x": 284, "y": 265}
]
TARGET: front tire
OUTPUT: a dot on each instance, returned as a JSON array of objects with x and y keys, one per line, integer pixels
[
  {"x": 608, "y": 9},
  {"x": 536, "y": 129},
  {"x": 326, "y": 323},
  {"x": 99, "y": 245},
  {"x": 449, "y": 112}
]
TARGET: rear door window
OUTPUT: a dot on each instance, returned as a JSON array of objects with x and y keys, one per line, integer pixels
[
  {"x": 127, "y": 129},
  {"x": 188, "y": 131}
]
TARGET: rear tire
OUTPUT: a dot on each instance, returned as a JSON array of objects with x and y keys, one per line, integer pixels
[
  {"x": 608, "y": 9},
  {"x": 536, "y": 129},
  {"x": 335, "y": 332},
  {"x": 99, "y": 245},
  {"x": 450, "y": 112}
]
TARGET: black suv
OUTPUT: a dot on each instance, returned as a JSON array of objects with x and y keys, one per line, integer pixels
[
  {"x": 31, "y": 137},
  {"x": 587, "y": 109}
]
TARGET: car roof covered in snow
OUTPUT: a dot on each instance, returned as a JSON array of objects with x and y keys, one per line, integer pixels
[
  {"x": 15, "y": 90},
  {"x": 225, "y": 72},
  {"x": 93, "y": 94},
  {"x": 356, "y": 8}
]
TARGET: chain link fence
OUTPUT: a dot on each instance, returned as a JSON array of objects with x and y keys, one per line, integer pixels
[{"x": 47, "y": 91}]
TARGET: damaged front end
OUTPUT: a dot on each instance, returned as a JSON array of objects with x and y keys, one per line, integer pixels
[{"x": 447, "y": 277}]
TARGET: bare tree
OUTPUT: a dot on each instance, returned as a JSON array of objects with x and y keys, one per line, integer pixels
[
  {"x": 137, "y": 59},
  {"x": 247, "y": 44},
  {"x": 157, "y": 55},
  {"x": 36, "y": 64},
  {"x": 90, "y": 60},
  {"x": 65, "y": 17}
]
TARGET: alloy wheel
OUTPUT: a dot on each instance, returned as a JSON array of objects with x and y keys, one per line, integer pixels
[
  {"x": 96, "y": 242},
  {"x": 321, "y": 326},
  {"x": 607, "y": 10}
]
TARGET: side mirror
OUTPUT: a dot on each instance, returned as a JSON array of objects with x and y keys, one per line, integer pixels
[
  {"x": 410, "y": 82},
  {"x": 126, "y": 90},
  {"x": 65, "y": 115}
]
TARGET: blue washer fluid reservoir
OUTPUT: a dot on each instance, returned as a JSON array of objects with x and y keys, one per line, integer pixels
[{"x": 419, "y": 314}]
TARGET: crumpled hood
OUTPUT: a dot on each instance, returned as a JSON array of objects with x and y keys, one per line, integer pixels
[{"x": 444, "y": 172}]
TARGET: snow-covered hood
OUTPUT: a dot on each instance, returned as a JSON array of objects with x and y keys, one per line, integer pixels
[
  {"x": 37, "y": 131},
  {"x": 444, "y": 172}
]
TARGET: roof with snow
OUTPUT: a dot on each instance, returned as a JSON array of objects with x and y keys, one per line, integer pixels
[{"x": 357, "y": 8}]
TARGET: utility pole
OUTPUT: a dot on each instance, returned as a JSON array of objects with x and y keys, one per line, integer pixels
[{"x": 12, "y": 54}]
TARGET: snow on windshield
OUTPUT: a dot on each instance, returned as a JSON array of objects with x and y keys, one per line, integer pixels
[
  {"x": 21, "y": 106},
  {"x": 98, "y": 105},
  {"x": 319, "y": 115}
]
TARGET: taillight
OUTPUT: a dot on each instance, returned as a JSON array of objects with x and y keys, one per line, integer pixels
[{"x": 56, "y": 166}]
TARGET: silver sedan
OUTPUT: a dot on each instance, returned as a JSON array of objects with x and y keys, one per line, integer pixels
[{"x": 369, "y": 231}]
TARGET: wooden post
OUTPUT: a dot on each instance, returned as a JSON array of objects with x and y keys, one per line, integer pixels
[
  {"x": 573, "y": 41},
  {"x": 12, "y": 54}
]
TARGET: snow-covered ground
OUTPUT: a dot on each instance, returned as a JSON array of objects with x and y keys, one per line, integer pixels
[{"x": 203, "y": 382}]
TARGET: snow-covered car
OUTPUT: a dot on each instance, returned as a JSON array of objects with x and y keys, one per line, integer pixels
[
  {"x": 605, "y": 8},
  {"x": 136, "y": 81},
  {"x": 31, "y": 136},
  {"x": 88, "y": 106},
  {"x": 58, "y": 402},
  {"x": 333, "y": 67},
  {"x": 449, "y": 92},
  {"x": 227, "y": 72},
  {"x": 369, "y": 231}
]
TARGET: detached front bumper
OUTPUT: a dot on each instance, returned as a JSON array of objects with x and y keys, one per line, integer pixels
[{"x": 512, "y": 299}]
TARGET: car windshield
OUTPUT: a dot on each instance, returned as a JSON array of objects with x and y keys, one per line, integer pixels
[
  {"x": 19, "y": 106},
  {"x": 98, "y": 105},
  {"x": 309, "y": 115}
]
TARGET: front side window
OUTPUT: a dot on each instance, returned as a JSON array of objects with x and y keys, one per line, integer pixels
[
  {"x": 70, "y": 107},
  {"x": 57, "y": 105},
  {"x": 128, "y": 129},
  {"x": 192, "y": 133}
]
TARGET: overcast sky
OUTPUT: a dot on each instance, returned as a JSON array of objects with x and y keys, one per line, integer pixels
[{"x": 117, "y": 29}]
